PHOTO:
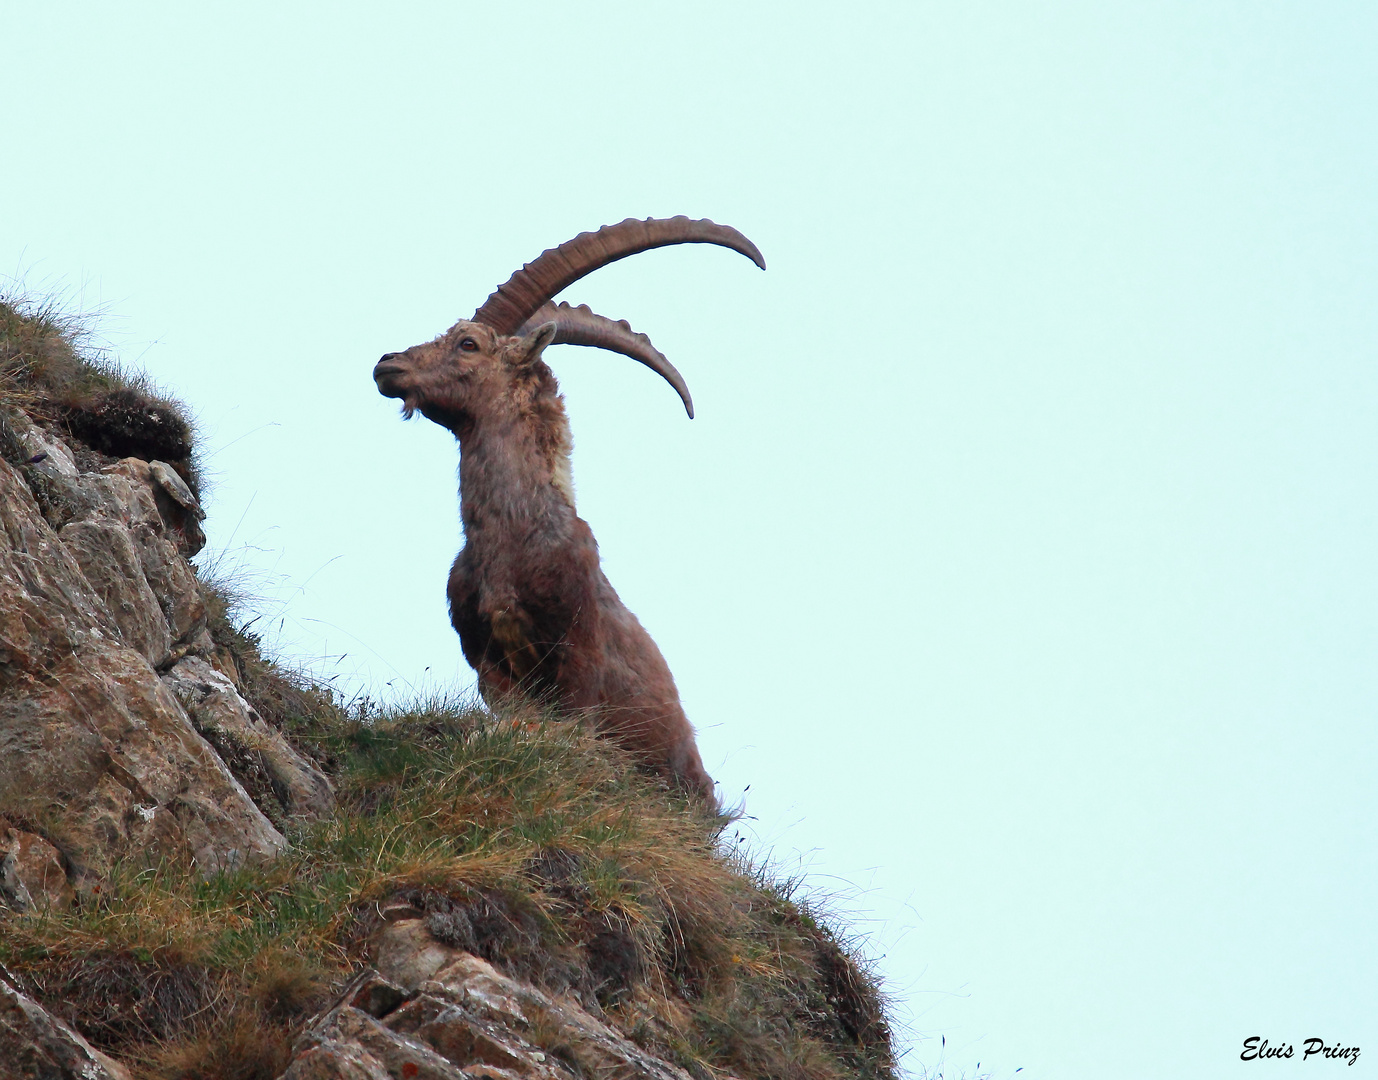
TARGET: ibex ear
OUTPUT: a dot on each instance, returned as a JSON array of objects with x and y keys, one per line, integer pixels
[{"x": 535, "y": 342}]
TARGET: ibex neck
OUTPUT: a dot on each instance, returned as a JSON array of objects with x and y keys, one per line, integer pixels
[{"x": 514, "y": 479}]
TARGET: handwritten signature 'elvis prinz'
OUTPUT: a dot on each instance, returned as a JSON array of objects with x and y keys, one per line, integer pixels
[{"x": 1256, "y": 1048}]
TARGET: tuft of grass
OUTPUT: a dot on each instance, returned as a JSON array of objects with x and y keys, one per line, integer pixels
[{"x": 51, "y": 369}]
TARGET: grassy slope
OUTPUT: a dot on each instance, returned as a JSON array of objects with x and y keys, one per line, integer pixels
[{"x": 524, "y": 839}]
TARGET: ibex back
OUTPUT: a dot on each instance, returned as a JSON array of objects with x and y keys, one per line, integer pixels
[{"x": 534, "y": 612}]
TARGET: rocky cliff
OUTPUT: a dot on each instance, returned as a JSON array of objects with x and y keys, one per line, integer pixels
[{"x": 208, "y": 868}]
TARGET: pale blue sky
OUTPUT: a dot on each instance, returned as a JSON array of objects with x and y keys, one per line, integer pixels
[{"x": 1022, "y": 556}]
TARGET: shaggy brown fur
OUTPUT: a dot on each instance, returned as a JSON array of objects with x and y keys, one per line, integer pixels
[{"x": 533, "y": 610}]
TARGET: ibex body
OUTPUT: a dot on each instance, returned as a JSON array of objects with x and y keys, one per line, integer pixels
[{"x": 534, "y": 611}]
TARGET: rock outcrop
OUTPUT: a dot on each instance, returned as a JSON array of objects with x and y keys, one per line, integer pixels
[
  {"x": 109, "y": 705},
  {"x": 236, "y": 730},
  {"x": 428, "y": 1010}
]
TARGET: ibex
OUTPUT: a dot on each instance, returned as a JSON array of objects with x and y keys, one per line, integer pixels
[{"x": 533, "y": 610}]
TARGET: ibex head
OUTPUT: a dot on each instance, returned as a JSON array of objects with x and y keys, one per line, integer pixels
[
  {"x": 484, "y": 361},
  {"x": 467, "y": 366}
]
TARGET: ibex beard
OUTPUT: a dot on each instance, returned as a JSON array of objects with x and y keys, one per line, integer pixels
[{"x": 534, "y": 612}]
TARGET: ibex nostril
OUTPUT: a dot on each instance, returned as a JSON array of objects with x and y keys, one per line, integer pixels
[{"x": 533, "y": 611}]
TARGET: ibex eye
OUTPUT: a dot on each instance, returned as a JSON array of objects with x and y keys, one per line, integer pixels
[{"x": 469, "y": 345}]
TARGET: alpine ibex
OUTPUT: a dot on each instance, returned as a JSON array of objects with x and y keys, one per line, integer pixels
[{"x": 532, "y": 607}]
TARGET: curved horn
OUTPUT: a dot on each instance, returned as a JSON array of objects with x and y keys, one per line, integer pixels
[
  {"x": 555, "y": 269},
  {"x": 580, "y": 326}
]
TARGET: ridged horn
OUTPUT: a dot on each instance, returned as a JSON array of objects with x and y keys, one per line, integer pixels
[
  {"x": 555, "y": 269},
  {"x": 580, "y": 326}
]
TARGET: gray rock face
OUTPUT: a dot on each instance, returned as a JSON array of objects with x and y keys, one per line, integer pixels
[
  {"x": 105, "y": 552},
  {"x": 100, "y": 752},
  {"x": 49, "y": 454},
  {"x": 172, "y": 582},
  {"x": 47, "y": 608},
  {"x": 96, "y": 752},
  {"x": 433, "y": 1012},
  {"x": 230, "y": 722}
]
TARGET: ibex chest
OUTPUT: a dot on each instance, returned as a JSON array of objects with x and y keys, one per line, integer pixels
[{"x": 520, "y": 601}]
